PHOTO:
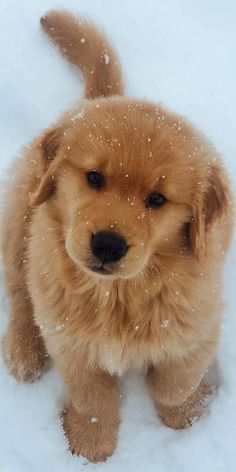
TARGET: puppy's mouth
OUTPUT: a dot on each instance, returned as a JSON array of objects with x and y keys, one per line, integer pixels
[{"x": 101, "y": 270}]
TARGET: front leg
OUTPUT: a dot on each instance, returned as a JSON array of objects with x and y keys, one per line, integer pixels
[
  {"x": 23, "y": 346},
  {"x": 92, "y": 417},
  {"x": 179, "y": 390}
]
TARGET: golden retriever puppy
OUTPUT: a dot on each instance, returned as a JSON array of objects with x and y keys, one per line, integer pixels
[{"x": 116, "y": 227}]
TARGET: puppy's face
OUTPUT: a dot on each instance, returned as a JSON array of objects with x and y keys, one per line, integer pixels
[{"x": 126, "y": 183}]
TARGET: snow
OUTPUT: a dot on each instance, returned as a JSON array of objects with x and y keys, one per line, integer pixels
[
  {"x": 180, "y": 53},
  {"x": 106, "y": 58}
]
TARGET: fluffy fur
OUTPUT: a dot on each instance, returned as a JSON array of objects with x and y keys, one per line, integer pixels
[{"x": 159, "y": 308}]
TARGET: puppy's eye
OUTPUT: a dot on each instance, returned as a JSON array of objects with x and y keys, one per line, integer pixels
[
  {"x": 95, "y": 179},
  {"x": 155, "y": 200}
]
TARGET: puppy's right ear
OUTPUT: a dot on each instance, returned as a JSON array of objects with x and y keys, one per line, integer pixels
[{"x": 48, "y": 149}]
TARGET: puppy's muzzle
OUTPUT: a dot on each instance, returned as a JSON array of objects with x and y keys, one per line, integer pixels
[{"x": 108, "y": 247}]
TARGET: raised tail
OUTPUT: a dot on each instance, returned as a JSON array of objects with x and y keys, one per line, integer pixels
[{"x": 86, "y": 47}]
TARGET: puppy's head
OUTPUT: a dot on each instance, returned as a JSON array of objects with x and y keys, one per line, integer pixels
[{"x": 132, "y": 184}]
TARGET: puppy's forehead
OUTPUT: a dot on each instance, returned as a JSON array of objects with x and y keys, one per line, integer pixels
[{"x": 136, "y": 142}]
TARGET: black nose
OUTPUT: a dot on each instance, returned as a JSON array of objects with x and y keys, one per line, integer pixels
[{"x": 108, "y": 247}]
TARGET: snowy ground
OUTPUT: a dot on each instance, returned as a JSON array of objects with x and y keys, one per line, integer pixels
[{"x": 183, "y": 54}]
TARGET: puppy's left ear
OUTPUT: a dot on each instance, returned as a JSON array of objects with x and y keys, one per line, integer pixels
[
  {"x": 48, "y": 162},
  {"x": 208, "y": 208}
]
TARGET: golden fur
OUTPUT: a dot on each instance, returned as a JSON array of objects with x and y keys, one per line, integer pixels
[{"x": 160, "y": 306}]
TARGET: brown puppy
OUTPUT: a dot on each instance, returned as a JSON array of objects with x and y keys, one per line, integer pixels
[{"x": 116, "y": 227}]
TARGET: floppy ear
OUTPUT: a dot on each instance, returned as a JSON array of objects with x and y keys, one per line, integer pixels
[
  {"x": 209, "y": 207},
  {"x": 48, "y": 149}
]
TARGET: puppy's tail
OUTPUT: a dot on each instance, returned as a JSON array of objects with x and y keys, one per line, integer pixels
[{"x": 86, "y": 47}]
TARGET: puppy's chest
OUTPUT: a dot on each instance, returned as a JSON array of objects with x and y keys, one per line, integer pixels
[
  {"x": 131, "y": 335},
  {"x": 117, "y": 357},
  {"x": 135, "y": 344}
]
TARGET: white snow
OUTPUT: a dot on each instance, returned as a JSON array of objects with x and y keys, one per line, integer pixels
[
  {"x": 178, "y": 52},
  {"x": 106, "y": 58},
  {"x": 77, "y": 116}
]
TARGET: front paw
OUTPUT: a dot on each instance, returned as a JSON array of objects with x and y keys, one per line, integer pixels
[
  {"x": 89, "y": 437},
  {"x": 25, "y": 356},
  {"x": 191, "y": 410}
]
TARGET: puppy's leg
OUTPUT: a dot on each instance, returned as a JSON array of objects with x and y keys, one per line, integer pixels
[
  {"x": 92, "y": 417},
  {"x": 179, "y": 391},
  {"x": 23, "y": 347}
]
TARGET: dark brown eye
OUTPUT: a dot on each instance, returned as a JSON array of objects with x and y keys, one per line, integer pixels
[
  {"x": 95, "y": 179},
  {"x": 155, "y": 200}
]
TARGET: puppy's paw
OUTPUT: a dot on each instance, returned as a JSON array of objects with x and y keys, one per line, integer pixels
[
  {"x": 89, "y": 437},
  {"x": 25, "y": 356},
  {"x": 192, "y": 409}
]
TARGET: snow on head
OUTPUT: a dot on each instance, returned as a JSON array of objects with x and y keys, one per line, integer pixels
[
  {"x": 78, "y": 116},
  {"x": 106, "y": 58}
]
